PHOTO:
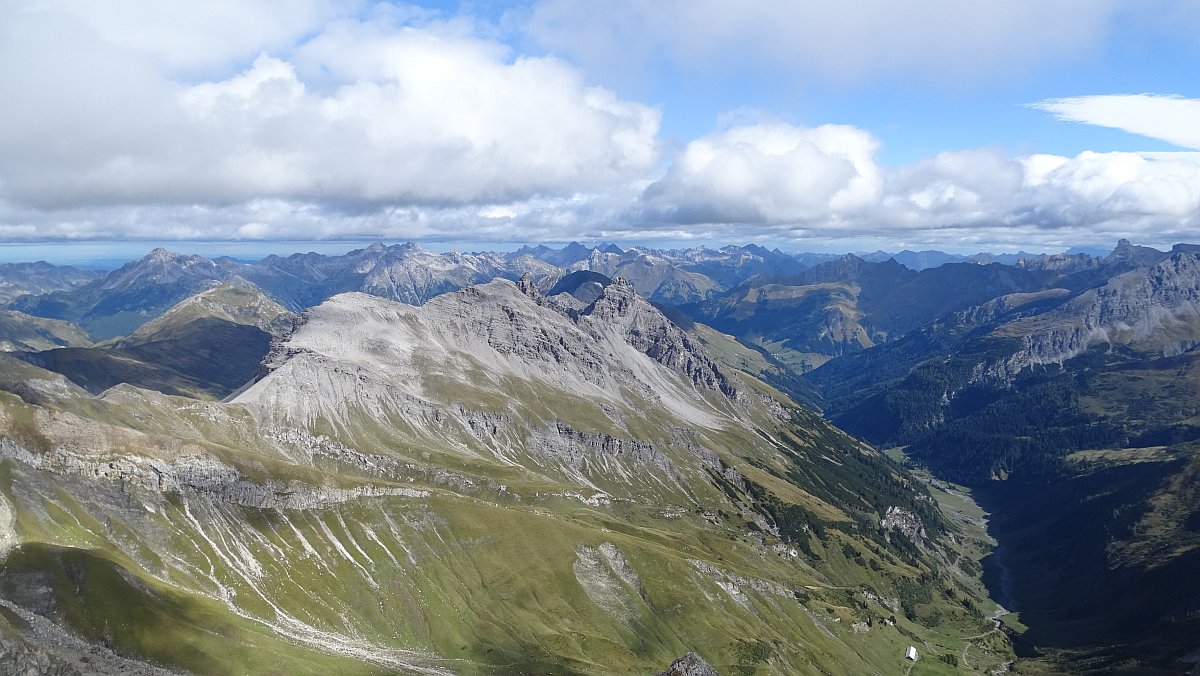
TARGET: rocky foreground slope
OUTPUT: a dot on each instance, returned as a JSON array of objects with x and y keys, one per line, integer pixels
[{"x": 495, "y": 482}]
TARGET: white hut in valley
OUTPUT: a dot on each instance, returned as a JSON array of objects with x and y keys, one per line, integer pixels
[{"x": 911, "y": 653}]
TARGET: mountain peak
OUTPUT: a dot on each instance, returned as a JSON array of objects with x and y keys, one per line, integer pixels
[
  {"x": 620, "y": 308},
  {"x": 526, "y": 286},
  {"x": 161, "y": 254},
  {"x": 617, "y": 300},
  {"x": 241, "y": 304},
  {"x": 1126, "y": 252}
]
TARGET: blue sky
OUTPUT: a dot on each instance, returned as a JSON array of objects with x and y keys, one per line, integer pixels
[
  {"x": 847, "y": 126},
  {"x": 916, "y": 112}
]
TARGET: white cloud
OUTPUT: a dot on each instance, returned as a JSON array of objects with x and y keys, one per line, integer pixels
[
  {"x": 396, "y": 114},
  {"x": 951, "y": 188},
  {"x": 184, "y": 35},
  {"x": 1172, "y": 119},
  {"x": 1123, "y": 188},
  {"x": 235, "y": 120},
  {"x": 767, "y": 182},
  {"x": 786, "y": 181},
  {"x": 851, "y": 40},
  {"x": 769, "y": 173}
]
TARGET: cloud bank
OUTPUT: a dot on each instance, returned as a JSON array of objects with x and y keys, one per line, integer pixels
[
  {"x": 363, "y": 113},
  {"x": 825, "y": 181},
  {"x": 239, "y": 120}
]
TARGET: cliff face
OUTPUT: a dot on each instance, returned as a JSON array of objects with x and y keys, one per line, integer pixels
[
  {"x": 191, "y": 475},
  {"x": 1154, "y": 310},
  {"x": 620, "y": 308},
  {"x": 960, "y": 387}
]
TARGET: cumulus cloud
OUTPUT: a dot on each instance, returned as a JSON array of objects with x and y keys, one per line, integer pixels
[
  {"x": 770, "y": 173},
  {"x": 363, "y": 113},
  {"x": 933, "y": 39},
  {"x": 181, "y": 36},
  {"x": 825, "y": 181},
  {"x": 768, "y": 182},
  {"x": 331, "y": 119},
  {"x": 1169, "y": 118}
]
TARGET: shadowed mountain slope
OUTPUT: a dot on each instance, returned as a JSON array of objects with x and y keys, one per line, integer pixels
[{"x": 206, "y": 346}]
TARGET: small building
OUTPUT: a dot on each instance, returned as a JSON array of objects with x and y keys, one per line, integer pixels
[{"x": 911, "y": 653}]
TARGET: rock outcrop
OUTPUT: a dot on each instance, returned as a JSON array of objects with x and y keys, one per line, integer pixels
[
  {"x": 903, "y": 521},
  {"x": 648, "y": 330},
  {"x": 690, "y": 664},
  {"x": 195, "y": 474}
]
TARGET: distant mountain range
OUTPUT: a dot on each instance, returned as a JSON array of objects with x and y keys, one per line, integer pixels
[
  {"x": 19, "y": 279},
  {"x": 112, "y": 304}
]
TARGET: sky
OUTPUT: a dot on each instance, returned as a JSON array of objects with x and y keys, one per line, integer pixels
[{"x": 812, "y": 126}]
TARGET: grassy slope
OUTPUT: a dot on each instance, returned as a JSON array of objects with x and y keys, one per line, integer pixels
[
  {"x": 19, "y": 331},
  {"x": 484, "y": 581},
  {"x": 104, "y": 604}
]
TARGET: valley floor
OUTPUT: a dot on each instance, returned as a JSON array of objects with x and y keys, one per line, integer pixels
[
  {"x": 990, "y": 651},
  {"x": 1050, "y": 575}
]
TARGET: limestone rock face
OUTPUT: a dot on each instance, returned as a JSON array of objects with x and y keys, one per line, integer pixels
[
  {"x": 429, "y": 370},
  {"x": 498, "y": 326},
  {"x": 648, "y": 330},
  {"x": 1156, "y": 309}
]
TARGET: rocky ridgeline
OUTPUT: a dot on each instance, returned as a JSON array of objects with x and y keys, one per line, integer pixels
[
  {"x": 648, "y": 330},
  {"x": 195, "y": 474},
  {"x": 313, "y": 448},
  {"x": 1144, "y": 308},
  {"x": 504, "y": 328},
  {"x": 619, "y": 306}
]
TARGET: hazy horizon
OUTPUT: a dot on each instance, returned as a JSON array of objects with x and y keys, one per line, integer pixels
[{"x": 108, "y": 255}]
